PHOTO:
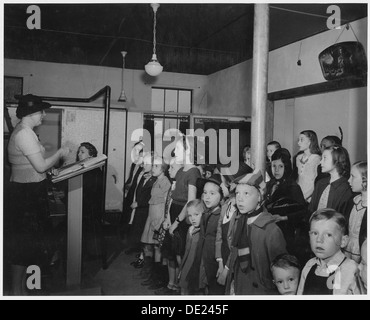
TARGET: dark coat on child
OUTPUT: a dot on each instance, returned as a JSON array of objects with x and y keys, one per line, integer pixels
[
  {"x": 288, "y": 196},
  {"x": 192, "y": 240},
  {"x": 205, "y": 254},
  {"x": 132, "y": 182},
  {"x": 143, "y": 194},
  {"x": 340, "y": 196},
  {"x": 266, "y": 242}
]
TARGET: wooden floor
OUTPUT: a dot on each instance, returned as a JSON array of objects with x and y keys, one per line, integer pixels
[{"x": 119, "y": 279}]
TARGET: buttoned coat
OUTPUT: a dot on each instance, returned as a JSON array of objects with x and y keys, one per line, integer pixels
[{"x": 266, "y": 242}]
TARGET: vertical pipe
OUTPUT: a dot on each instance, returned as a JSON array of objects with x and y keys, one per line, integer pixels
[
  {"x": 259, "y": 85},
  {"x": 106, "y": 138},
  {"x": 105, "y": 168}
]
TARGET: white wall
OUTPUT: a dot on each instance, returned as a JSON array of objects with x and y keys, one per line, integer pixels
[
  {"x": 229, "y": 91},
  {"x": 284, "y": 73},
  {"x": 322, "y": 113},
  {"x": 82, "y": 81},
  {"x": 358, "y": 120}
]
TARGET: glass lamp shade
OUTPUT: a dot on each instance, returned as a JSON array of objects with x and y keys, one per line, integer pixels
[{"x": 153, "y": 67}]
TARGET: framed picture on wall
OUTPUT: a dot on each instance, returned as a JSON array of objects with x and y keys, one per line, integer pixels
[{"x": 12, "y": 86}]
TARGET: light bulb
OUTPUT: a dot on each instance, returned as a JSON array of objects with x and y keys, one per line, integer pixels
[{"x": 153, "y": 67}]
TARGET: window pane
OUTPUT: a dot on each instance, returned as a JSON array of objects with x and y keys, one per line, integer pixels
[
  {"x": 157, "y": 99},
  {"x": 170, "y": 100},
  {"x": 185, "y": 101}
]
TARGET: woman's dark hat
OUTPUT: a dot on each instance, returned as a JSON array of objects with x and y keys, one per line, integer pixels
[{"x": 29, "y": 104}]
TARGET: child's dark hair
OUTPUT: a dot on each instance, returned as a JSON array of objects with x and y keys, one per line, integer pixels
[
  {"x": 196, "y": 203},
  {"x": 331, "y": 214},
  {"x": 341, "y": 160},
  {"x": 334, "y": 139},
  {"x": 284, "y": 155},
  {"x": 314, "y": 143},
  {"x": 285, "y": 261},
  {"x": 90, "y": 148},
  {"x": 274, "y": 143}
]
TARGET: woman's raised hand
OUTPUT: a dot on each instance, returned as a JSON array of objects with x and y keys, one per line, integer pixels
[{"x": 64, "y": 151}]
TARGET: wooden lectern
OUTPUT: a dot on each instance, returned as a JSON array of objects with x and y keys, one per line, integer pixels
[{"x": 74, "y": 174}]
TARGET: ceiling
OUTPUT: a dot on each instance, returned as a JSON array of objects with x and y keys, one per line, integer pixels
[{"x": 191, "y": 38}]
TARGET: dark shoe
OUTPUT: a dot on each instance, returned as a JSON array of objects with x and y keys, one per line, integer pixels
[
  {"x": 135, "y": 262},
  {"x": 139, "y": 264},
  {"x": 165, "y": 291}
]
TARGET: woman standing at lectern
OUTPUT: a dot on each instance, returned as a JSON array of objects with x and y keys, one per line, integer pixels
[{"x": 28, "y": 227}]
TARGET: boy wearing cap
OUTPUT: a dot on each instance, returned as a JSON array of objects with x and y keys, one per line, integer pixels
[{"x": 257, "y": 240}]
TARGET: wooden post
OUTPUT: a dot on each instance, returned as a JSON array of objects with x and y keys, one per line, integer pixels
[{"x": 259, "y": 85}]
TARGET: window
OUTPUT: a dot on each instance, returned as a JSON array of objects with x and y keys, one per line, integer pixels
[
  {"x": 171, "y": 100},
  {"x": 157, "y": 124}
]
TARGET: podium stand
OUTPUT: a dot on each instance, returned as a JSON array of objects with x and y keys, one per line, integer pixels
[{"x": 74, "y": 237}]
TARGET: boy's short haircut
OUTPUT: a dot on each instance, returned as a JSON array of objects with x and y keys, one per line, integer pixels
[
  {"x": 196, "y": 203},
  {"x": 328, "y": 214},
  {"x": 274, "y": 143},
  {"x": 285, "y": 261}
]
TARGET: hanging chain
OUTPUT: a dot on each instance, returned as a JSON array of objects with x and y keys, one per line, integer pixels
[{"x": 154, "y": 39}]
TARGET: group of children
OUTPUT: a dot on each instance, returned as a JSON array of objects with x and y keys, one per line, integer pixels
[{"x": 205, "y": 233}]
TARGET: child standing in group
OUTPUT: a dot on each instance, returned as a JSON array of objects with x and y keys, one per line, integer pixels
[
  {"x": 194, "y": 209},
  {"x": 129, "y": 193},
  {"x": 286, "y": 272},
  {"x": 185, "y": 191},
  {"x": 205, "y": 267},
  {"x": 256, "y": 242},
  {"x": 358, "y": 217},
  {"x": 334, "y": 191},
  {"x": 284, "y": 199},
  {"x": 247, "y": 155},
  {"x": 156, "y": 212},
  {"x": 307, "y": 162},
  {"x": 327, "y": 142},
  {"x": 140, "y": 209},
  {"x": 272, "y": 146},
  {"x": 330, "y": 272}
]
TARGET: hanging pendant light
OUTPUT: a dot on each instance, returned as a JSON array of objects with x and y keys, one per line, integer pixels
[
  {"x": 153, "y": 67},
  {"x": 123, "y": 97}
]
